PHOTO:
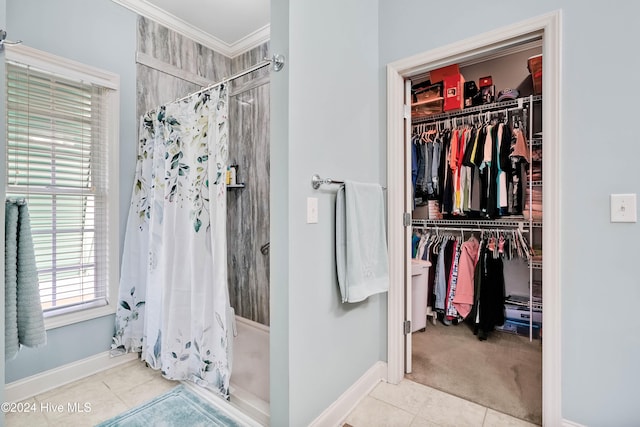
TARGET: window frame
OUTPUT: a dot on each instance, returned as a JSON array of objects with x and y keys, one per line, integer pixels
[{"x": 77, "y": 71}]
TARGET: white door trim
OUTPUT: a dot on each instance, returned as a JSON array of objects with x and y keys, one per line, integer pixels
[
  {"x": 408, "y": 204},
  {"x": 549, "y": 26}
]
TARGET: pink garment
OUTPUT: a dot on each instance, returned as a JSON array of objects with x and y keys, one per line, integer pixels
[
  {"x": 463, "y": 299},
  {"x": 520, "y": 147}
]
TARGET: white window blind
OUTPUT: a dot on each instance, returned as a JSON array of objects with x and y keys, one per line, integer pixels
[{"x": 57, "y": 160}]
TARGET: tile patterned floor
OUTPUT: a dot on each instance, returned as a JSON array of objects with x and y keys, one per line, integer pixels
[
  {"x": 116, "y": 390},
  {"x": 107, "y": 393},
  {"x": 410, "y": 404}
]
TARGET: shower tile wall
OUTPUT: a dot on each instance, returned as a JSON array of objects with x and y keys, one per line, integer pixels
[
  {"x": 156, "y": 87},
  {"x": 248, "y": 208},
  {"x": 248, "y": 225},
  {"x": 249, "y": 59}
]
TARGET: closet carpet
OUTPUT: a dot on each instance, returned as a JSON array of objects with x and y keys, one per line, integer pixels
[{"x": 502, "y": 373}]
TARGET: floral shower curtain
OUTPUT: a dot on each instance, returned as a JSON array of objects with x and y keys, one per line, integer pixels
[{"x": 173, "y": 304}]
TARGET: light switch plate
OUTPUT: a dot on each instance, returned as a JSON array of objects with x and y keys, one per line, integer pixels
[
  {"x": 623, "y": 208},
  {"x": 312, "y": 210}
]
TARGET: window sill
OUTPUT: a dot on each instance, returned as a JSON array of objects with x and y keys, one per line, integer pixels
[{"x": 59, "y": 320}]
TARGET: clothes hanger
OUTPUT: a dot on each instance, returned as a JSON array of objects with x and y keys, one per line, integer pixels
[
  {"x": 430, "y": 133},
  {"x": 436, "y": 243},
  {"x": 425, "y": 137}
]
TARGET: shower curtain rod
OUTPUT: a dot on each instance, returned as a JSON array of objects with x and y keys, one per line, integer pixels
[{"x": 276, "y": 60}]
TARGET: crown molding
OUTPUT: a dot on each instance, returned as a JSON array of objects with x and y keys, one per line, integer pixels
[
  {"x": 231, "y": 50},
  {"x": 250, "y": 41}
]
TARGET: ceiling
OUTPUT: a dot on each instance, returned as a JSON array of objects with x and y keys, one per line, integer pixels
[{"x": 230, "y": 27}]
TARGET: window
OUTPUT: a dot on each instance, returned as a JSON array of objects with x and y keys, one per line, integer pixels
[{"x": 61, "y": 150}]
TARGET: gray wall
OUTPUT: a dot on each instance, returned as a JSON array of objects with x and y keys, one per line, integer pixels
[
  {"x": 325, "y": 123},
  {"x": 248, "y": 208},
  {"x": 599, "y": 271},
  {"x": 155, "y": 87},
  {"x": 101, "y": 34}
]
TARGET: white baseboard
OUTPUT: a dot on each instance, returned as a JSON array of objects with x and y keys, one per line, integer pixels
[
  {"x": 48, "y": 380},
  {"x": 567, "y": 423},
  {"x": 335, "y": 414},
  {"x": 245, "y": 419},
  {"x": 249, "y": 404}
]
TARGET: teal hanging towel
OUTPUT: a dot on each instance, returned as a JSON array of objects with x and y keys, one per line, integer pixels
[{"x": 24, "y": 320}]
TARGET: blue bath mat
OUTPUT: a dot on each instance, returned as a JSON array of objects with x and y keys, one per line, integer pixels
[{"x": 178, "y": 407}]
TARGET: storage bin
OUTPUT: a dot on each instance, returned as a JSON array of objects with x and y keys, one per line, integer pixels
[
  {"x": 426, "y": 108},
  {"x": 428, "y": 93},
  {"x": 520, "y": 328},
  {"x": 419, "y": 289}
]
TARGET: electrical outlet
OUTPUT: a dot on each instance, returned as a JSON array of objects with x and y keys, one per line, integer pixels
[{"x": 623, "y": 208}]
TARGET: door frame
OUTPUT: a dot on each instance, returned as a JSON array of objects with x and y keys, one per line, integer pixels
[{"x": 549, "y": 27}]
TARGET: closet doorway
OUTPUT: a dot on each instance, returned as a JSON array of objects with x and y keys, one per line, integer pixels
[{"x": 400, "y": 198}]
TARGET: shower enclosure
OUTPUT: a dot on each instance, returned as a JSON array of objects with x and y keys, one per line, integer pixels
[{"x": 170, "y": 66}]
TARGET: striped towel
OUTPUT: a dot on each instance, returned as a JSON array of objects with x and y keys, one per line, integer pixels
[
  {"x": 11, "y": 280},
  {"x": 24, "y": 320}
]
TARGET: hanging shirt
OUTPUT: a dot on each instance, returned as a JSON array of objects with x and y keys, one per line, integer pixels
[
  {"x": 435, "y": 167},
  {"x": 463, "y": 299},
  {"x": 451, "y": 311}
]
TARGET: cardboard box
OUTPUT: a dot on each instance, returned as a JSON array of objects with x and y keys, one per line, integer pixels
[
  {"x": 534, "y": 64},
  {"x": 453, "y": 86},
  {"x": 439, "y": 74},
  {"x": 453, "y": 92},
  {"x": 485, "y": 81},
  {"x": 421, "y": 212}
]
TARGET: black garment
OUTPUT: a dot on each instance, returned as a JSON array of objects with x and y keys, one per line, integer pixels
[
  {"x": 433, "y": 258},
  {"x": 505, "y": 165},
  {"x": 505, "y": 149},
  {"x": 484, "y": 190},
  {"x": 489, "y": 294},
  {"x": 420, "y": 151},
  {"x": 468, "y": 149},
  {"x": 492, "y": 193},
  {"x": 448, "y": 263},
  {"x": 517, "y": 197},
  {"x": 444, "y": 174}
]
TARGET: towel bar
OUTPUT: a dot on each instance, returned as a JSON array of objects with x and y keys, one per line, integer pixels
[{"x": 316, "y": 181}]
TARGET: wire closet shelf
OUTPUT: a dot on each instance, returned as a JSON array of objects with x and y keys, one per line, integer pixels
[{"x": 514, "y": 104}]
